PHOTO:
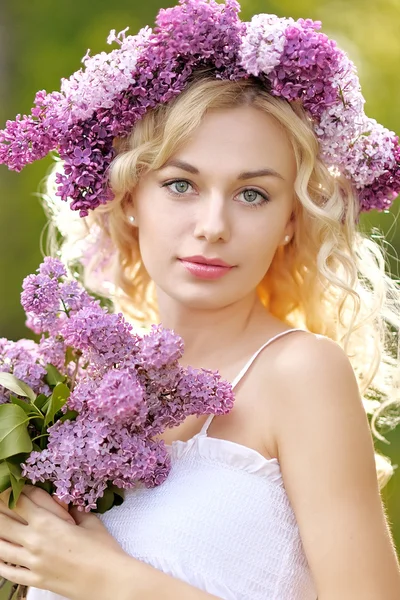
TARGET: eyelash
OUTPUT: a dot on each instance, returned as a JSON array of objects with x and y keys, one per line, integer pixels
[{"x": 251, "y": 205}]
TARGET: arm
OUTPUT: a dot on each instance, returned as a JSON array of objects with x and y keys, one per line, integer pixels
[
  {"x": 328, "y": 467},
  {"x": 89, "y": 565},
  {"x": 136, "y": 580}
]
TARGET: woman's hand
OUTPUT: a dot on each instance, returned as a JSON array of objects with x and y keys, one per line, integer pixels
[{"x": 53, "y": 549}]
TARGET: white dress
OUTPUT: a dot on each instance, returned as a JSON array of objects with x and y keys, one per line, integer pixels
[{"x": 221, "y": 521}]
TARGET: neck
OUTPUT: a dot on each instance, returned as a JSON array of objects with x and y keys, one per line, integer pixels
[{"x": 208, "y": 333}]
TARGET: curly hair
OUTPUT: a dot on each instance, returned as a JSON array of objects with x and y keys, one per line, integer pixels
[{"x": 331, "y": 279}]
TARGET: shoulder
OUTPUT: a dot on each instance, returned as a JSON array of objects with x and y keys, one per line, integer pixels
[
  {"x": 302, "y": 364},
  {"x": 302, "y": 356},
  {"x": 315, "y": 392},
  {"x": 326, "y": 456}
]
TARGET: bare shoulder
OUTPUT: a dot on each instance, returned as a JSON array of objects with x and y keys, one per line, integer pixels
[
  {"x": 308, "y": 360},
  {"x": 326, "y": 456}
]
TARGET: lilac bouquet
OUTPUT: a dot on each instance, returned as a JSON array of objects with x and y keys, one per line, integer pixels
[{"x": 80, "y": 408}]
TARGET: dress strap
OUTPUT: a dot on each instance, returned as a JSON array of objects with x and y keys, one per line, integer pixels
[{"x": 245, "y": 369}]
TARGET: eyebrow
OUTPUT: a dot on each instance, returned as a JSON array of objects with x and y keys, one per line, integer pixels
[{"x": 180, "y": 164}]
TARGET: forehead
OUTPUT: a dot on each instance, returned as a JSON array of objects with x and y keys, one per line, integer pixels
[{"x": 238, "y": 139}]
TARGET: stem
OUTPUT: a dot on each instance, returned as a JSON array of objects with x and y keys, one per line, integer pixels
[
  {"x": 74, "y": 374},
  {"x": 65, "y": 308},
  {"x": 38, "y": 416},
  {"x": 39, "y": 412},
  {"x": 39, "y": 436}
]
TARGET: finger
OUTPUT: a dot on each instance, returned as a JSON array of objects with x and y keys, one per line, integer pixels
[
  {"x": 86, "y": 520},
  {"x": 64, "y": 505},
  {"x": 8, "y": 511},
  {"x": 19, "y": 575},
  {"x": 30, "y": 511},
  {"x": 12, "y": 531},
  {"x": 51, "y": 503},
  {"x": 15, "y": 555}
]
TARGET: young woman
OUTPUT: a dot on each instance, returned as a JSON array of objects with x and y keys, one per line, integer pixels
[{"x": 229, "y": 225}]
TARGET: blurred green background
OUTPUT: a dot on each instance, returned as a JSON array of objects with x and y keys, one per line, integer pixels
[{"x": 42, "y": 41}]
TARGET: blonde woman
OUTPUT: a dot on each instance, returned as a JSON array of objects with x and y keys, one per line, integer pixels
[{"x": 238, "y": 158}]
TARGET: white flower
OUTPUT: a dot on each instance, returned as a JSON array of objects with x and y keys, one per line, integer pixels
[
  {"x": 105, "y": 75},
  {"x": 263, "y": 43}
]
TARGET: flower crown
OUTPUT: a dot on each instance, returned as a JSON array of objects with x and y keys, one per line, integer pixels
[{"x": 106, "y": 98}]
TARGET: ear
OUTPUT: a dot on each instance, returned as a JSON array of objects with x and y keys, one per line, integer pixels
[
  {"x": 288, "y": 231},
  {"x": 129, "y": 210}
]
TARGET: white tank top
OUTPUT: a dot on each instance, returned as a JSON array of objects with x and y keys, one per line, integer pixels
[{"x": 221, "y": 521}]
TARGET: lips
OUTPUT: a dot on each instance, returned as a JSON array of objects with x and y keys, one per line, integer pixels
[{"x": 202, "y": 260}]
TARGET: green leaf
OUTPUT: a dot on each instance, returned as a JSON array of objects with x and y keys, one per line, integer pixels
[
  {"x": 69, "y": 355},
  {"x": 17, "y": 483},
  {"x": 14, "y": 436},
  {"x": 40, "y": 401},
  {"x": 57, "y": 400},
  {"x": 22, "y": 404},
  {"x": 113, "y": 496},
  {"x": 105, "y": 502},
  {"x": 10, "y": 477},
  {"x": 5, "y": 480},
  {"x": 119, "y": 495},
  {"x": 53, "y": 375},
  {"x": 69, "y": 415},
  {"x": 17, "y": 386},
  {"x": 48, "y": 486}
]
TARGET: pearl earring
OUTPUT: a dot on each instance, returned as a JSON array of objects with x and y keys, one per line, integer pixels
[
  {"x": 287, "y": 238},
  {"x": 131, "y": 219}
]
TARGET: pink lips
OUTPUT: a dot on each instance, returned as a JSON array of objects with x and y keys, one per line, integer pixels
[{"x": 205, "y": 268}]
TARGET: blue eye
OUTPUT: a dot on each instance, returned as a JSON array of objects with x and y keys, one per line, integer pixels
[
  {"x": 252, "y": 196},
  {"x": 182, "y": 186}
]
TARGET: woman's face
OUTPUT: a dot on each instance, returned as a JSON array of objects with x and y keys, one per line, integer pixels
[{"x": 226, "y": 194}]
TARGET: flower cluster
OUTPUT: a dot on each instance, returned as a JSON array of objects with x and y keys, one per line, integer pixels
[
  {"x": 105, "y": 99},
  {"x": 302, "y": 64},
  {"x": 24, "y": 360},
  {"x": 96, "y": 394}
]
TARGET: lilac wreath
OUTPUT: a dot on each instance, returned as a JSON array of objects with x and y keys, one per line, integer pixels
[{"x": 106, "y": 98}]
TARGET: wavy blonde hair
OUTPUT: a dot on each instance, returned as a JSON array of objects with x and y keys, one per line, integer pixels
[{"x": 330, "y": 279}]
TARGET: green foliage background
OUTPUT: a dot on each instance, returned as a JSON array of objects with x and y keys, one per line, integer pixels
[{"x": 42, "y": 41}]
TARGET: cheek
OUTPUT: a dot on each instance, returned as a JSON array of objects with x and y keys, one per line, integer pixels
[{"x": 262, "y": 242}]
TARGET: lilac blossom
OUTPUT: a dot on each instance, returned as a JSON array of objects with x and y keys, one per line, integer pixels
[
  {"x": 23, "y": 360},
  {"x": 85, "y": 455},
  {"x": 103, "y": 338},
  {"x": 263, "y": 43},
  {"x": 52, "y": 267},
  {"x": 105, "y": 98},
  {"x": 119, "y": 398},
  {"x": 124, "y": 390}
]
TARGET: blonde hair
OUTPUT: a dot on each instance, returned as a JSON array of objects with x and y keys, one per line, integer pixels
[{"x": 330, "y": 279}]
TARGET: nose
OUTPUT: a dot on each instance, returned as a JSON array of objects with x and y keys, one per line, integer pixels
[{"x": 212, "y": 219}]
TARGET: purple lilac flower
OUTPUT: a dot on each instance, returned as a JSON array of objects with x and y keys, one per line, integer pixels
[
  {"x": 83, "y": 394},
  {"x": 372, "y": 153},
  {"x": 381, "y": 193},
  {"x": 116, "y": 90},
  {"x": 105, "y": 75},
  {"x": 204, "y": 388},
  {"x": 119, "y": 398},
  {"x": 74, "y": 297},
  {"x": 52, "y": 267},
  {"x": 307, "y": 67},
  {"x": 82, "y": 456},
  {"x": 41, "y": 295},
  {"x": 22, "y": 359},
  {"x": 159, "y": 348},
  {"x": 113, "y": 91},
  {"x": 105, "y": 339},
  {"x": 52, "y": 350}
]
